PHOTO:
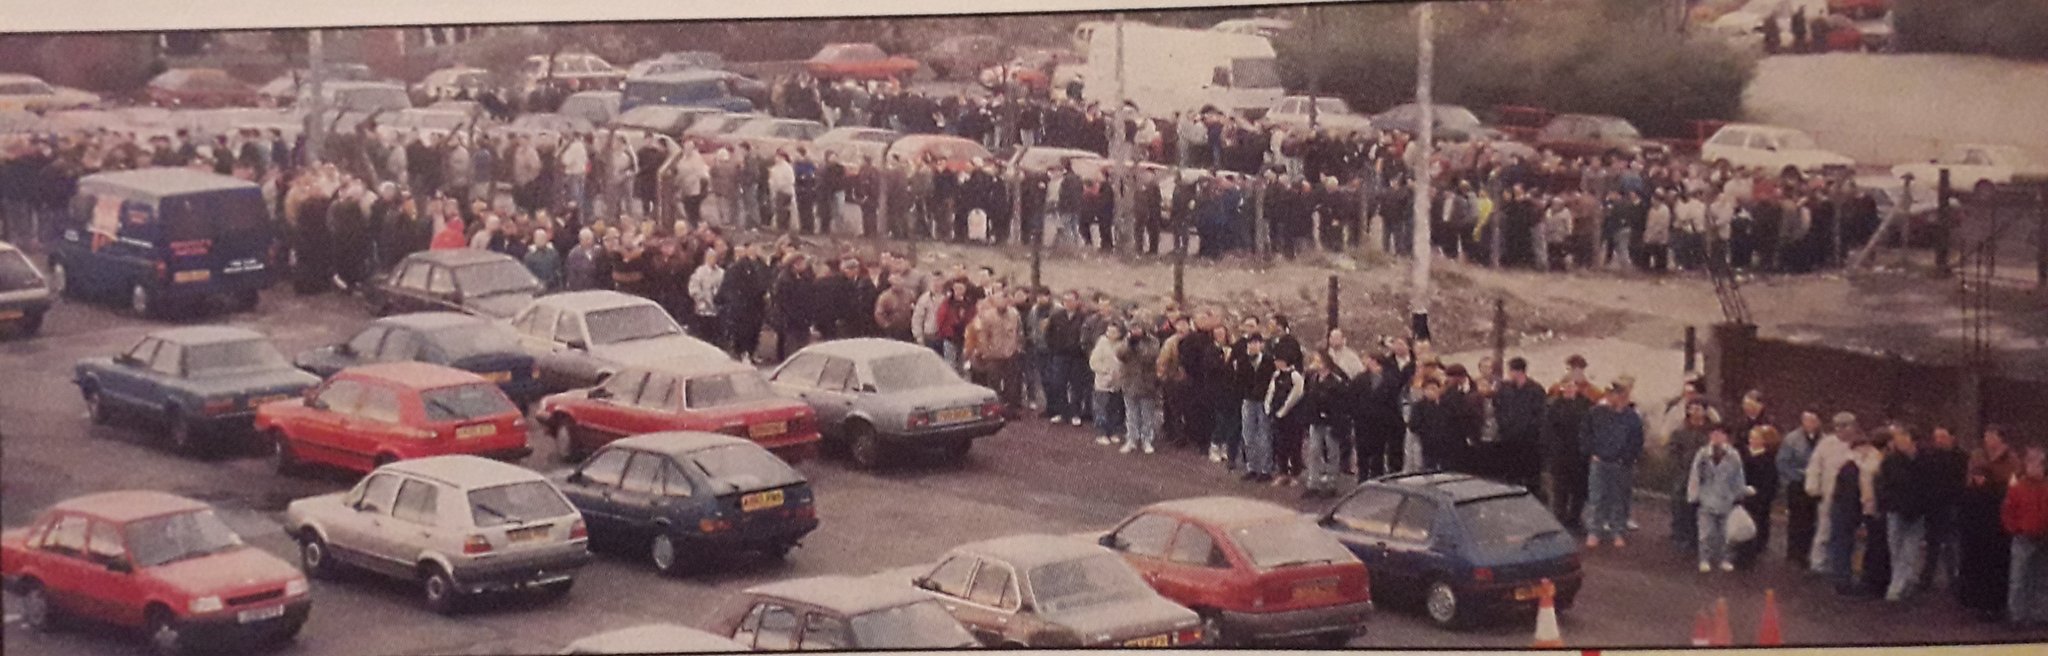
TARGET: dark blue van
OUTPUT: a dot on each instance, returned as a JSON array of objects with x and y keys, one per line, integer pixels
[
  {"x": 690, "y": 88},
  {"x": 161, "y": 236}
]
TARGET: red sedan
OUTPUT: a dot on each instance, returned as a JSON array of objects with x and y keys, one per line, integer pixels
[
  {"x": 1255, "y": 571},
  {"x": 152, "y": 560},
  {"x": 693, "y": 394},
  {"x": 858, "y": 61},
  {"x": 200, "y": 87},
  {"x": 368, "y": 416}
]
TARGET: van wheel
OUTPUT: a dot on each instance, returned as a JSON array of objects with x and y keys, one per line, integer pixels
[
  {"x": 565, "y": 440},
  {"x": 868, "y": 449},
  {"x": 60, "y": 280},
  {"x": 282, "y": 459},
  {"x": 142, "y": 301}
]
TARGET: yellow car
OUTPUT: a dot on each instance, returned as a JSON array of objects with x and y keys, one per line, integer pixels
[{"x": 31, "y": 93}]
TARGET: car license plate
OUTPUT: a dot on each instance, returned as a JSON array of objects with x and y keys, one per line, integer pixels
[
  {"x": 528, "y": 534},
  {"x": 761, "y": 501},
  {"x": 499, "y": 376},
  {"x": 1316, "y": 591},
  {"x": 1161, "y": 640},
  {"x": 260, "y": 614},
  {"x": 9, "y": 315},
  {"x": 1526, "y": 592},
  {"x": 196, "y": 275},
  {"x": 477, "y": 430},
  {"x": 956, "y": 415},
  {"x": 768, "y": 429}
]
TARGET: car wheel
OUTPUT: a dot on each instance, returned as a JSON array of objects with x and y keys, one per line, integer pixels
[
  {"x": 60, "y": 280},
  {"x": 438, "y": 588},
  {"x": 164, "y": 633},
  {"x": 956, "y": 451},
  {"x": 38, "y": 612},
  {"x": 667, "y": 557},
  {"x": 282, "y": 459},
  {"x": 96, "y": 407},
  {"x": 142, "y": 301},
  {"x": 183, "y": 440},
  {"x": 1441, "y": 604},
  {"x": 315, "y": 558},
  {"x": 565, "y": 440},
  {"x": 778, "y": 550},
  {"x": 866, "y": 445},
  {"x": 31, "y": 325}
]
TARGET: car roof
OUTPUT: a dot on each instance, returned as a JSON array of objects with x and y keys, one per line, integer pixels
[
  {"x": 1224, "y": 511},
  {"x": 658, "y": 638},
  {"x": 1758, "y": 127},
  {"x": 686, "y": 75},
  {"x": 864, "y": 348},
  {"x": 843, "y": 594},
  {"x": 690, "y": 366},
  {"x": 456, "y": 257},
  {"x": 464, "y": 471},
  {"x": 193, "y": 335},
  {"x": 129, "y": 505},
  {"x": 1032, "y": 549},
  {"x": 157, "y": 183},
  {"x": 1453, "y": 486},
  {"x": 430, "y": 321},
  {"x": 592, "y": 299},
  {"x": 677, "y": 443},
  {"x": 19, "y": 77},
  {"x": 415, "y": 375},
  {"x": 7, "y": 247}
]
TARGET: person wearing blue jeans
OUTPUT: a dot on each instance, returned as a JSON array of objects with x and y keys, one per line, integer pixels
[
  {"x": 1715, "y": 482},
  {"x": 1611, "y": 438},
  {"x": 1904, "y": 485},
  {"x": 1252, "y": 372}
]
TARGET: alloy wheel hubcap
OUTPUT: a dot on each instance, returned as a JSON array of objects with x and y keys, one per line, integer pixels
[
  {"x": 1443, "y": 603},
  {"x": 312, "y": 554},
  {"x": 138, "y": 300},
  {"x": 36, "y": 609},
  {"x": 166, "y": 636},
  {"x": 664, "y": 552},
  {"x": 436, "y": 588}
]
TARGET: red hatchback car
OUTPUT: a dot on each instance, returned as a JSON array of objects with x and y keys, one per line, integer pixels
[
  {"x": 686, "y": 394},
  {"x": 365, "y": 417},
  {"x": 152, "y": 560},
  {"x": 1254, "y": 571}
]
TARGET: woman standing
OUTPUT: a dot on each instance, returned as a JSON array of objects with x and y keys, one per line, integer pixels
[
  {"x": 1715, "y": 483},
  {"x": 1760, "y": 471}
]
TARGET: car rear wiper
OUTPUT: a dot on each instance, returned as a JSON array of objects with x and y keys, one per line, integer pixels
[{"x": 494, "y": 512}]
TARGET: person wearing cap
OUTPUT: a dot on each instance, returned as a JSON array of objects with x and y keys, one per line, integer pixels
[
  {"x": 1828, "y": 455},
  {"x": 1611, "y": 438}
]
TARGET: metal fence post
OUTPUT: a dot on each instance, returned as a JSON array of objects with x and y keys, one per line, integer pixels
[
  {"x": 1692, "y": 348},
  {"x": 1332, "y": 305}
]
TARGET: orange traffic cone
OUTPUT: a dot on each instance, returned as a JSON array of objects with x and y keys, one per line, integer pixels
[
  {"x": 1768, "y": 634},
  {"x": 1702, "y": 630},
  {"x": 1547, "y": 635},
  {"x": 1722, "y": 636}
]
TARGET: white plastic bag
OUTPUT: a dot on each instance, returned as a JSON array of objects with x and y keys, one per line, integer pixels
[{"x": 1741, "y": 527}]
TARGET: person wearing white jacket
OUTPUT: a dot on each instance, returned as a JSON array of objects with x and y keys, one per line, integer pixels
[
  {"x": 782, "y": 189},
  {"x": 1829, "y": 453},
  {"x": 1109, "y": 403},
  {"x": 704, "y": 284}
]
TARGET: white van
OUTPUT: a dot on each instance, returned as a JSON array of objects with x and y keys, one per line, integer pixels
[{"x": 1171, "y": 69}]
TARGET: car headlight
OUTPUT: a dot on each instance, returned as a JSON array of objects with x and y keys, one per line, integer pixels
[
  {"x": 295, "y": 588},
  {"x": 205, "y": 604}
]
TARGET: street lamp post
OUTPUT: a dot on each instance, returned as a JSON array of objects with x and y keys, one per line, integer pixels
[{"x": 1425, "y": 63}]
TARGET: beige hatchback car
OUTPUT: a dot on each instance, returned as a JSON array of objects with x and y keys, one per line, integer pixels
[{"x": 458, "y": 525}]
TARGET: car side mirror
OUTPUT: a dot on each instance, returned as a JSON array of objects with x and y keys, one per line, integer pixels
[
  {"x": 120, "y": 567},
  {"x": 923, "y": 583},
  {"x": 344, "y": 349},
  {"x": 1109, "y": 541}
]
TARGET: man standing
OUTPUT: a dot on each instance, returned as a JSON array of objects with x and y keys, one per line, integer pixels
[
  {"x": 1947, "y": 468},
  {"x": 1827, "y": 459},
  {"x": 544, "y": 261},
  {"x": 1903, "y": 487},
  {"x": 1069, "y": 354},
  {"x": 2025, "y": 516},
  {"x": 1800, "y": 506},
  {"x": 1518, "y": 412},
  {"x": 1570, "y": 400},
  {"x": 1252, "y": 371},
  {"x": 1612, "y": 440},
  {"x": 742, "y": 301}
]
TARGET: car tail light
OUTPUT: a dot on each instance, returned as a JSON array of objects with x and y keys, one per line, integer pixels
[
  {"x": 992, "y": 409},
  {"x": 476, "y": 544},
  {"x": 920, "y": 420},
  {"x": 162, "y": 272},
  {"x": 579, "y": 530},
  {"x": 806, "y": 511},
  {"x": 713, "y": 525},
  {"x": 1188, "y": 636},
  {"x": 1482, "y": 574}
]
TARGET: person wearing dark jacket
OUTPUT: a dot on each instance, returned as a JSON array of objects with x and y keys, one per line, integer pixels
[
  {"x": 1567, "y": 409},
  {"x": 1466, "y": 416},
  {"x": 792, "y": 295},
  {"x": 1064, "y": 345},
  {"x": 1251, "y": 369},
  {"x": 1431, "y": 421},
  {"x": 1760, "y": 471},
  {"x": 1283, "y": 344},
  {"x": 742, "y": 300},
  {"x": 1947, "y": 467},
  {"x": 1518, "y": 416},
  {"x": 1325, "y": 408},
  {"x": 1611, "y": 438},
  {"x": 1903, "y": 487},
  {"x": 1984, "y": 556},
  {"x": 1381, "y": 428}
]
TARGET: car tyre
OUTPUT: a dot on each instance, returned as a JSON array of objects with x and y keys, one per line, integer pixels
[
  {"x": 282, "y": 459},
  {"x": 1212, "y": 629},
  {"x": 60, "y": 280},
  {"x": 142, "y": 301},
  {"x": 666, "y": 555},
  {"x": 38, "y": 612},
  {"x": 96, "y": 407},
  {"x": 866, "y": 446},
  {"x": 165, "y": 636},
  {"x": 1440, "y": 604},
  {"x": 557, "y": 590},
  {"x": 315, "y": 558},
  {"x": 564, "y": 434},
  {"x": 183, "y": 439},
  {"x": 437, "y": 587}
]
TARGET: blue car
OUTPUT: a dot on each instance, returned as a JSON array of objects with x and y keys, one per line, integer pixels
[
  {"x": 691, "y": 496},
  {"x": 1459, "y": 546},
  {"x": 473, "y": 344},
  {"x": 201, "y": 383}
]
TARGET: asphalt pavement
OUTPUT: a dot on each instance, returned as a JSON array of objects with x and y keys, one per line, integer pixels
[{"x": 1032, "y": 477}]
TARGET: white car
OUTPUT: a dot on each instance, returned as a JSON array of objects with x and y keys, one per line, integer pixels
[
  {"x": 455, "y": 525},
  {"x": 432, "y": 125},
  {"x": 1770, "y": 148},
  {"x": 855, "y": 144},
  {"x": 31, "y": 93},
  {"x": 1333, "y": 115},
  {"x": 452, "y": 81},
  {"x": 1970, "y": 166}
]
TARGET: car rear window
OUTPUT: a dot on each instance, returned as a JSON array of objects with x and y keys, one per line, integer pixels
[
  {"x": 500, "y": 277},
  {"x": 465, "y": 402},
  {"x": 514, "y": 503},
  {"x": 918, "y": 625},
  {"x": 1507, "y": 521},
  {"x": 742, "y": 468},
  {"x": 720, "y": 390},
  {"x": 1287, "y": 543},
  {"x": 1083, "y": 582},
  {"x": 909, "y": 371},
  {"x": 16, "y": 273}
]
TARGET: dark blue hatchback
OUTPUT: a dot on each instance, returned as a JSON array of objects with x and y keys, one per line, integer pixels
[
  {"x": 473, "y": 344},
  {"x": 692, "y": 496},
  {"x": 1458, "y": 546}
]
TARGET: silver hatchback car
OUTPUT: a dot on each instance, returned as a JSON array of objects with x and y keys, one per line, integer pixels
[
  {"x": 876, "y": 395},
  {"x": 458, "y": 525}
]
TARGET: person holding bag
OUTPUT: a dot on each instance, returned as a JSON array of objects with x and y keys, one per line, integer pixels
[{"x": 1716, "y": 483}]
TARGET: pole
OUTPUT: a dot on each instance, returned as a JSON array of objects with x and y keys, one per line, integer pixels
[
  {"x": 1315, "y": 69},
  {"x": 1500, "y": 337},
  {"x": 1692, "y": 347},
  {"x": 1944, "y": 223},
  {"x": 316, "y": 124},
  {"x": 1119, "y": 149},
  {"x": 1425, "y": 64},
  {"x": 1332, "y": 319}
]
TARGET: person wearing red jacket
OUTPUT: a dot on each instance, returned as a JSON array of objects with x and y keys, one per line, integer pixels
[
  {"x": 450, "y": 236},
  {"x": 2025, "y": 516}
]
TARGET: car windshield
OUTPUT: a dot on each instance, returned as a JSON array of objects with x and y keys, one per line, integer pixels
[
  {"x": 1506, "y": 521},
  {"x": 630, "y": 323},
  {"x": 1453, "y": 116},
  {"x": 222, "y": 358},
  {"x": 171, "y": 538},
  {"x": 16, "y": 273},
  {"x": 473, "y": 339},
  {"x": 717, "y": 390},
  {"x": 1332, "y": 106},
  {"x": 910, "y": 371},
  {"x": 920, "y": 625},
  {"x": 1083, "y": 582},
  {"x": 1287, "y": 543},
  {"x": 745, "y": 467},
  {"x": 514, "y": 503},
  {"x": 493, "y": 278},
  {"x": 465, "y": 402}
]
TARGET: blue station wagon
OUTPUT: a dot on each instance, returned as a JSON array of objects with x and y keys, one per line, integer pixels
[
  {"x": 201, "y": 383},
  {"x": 1459, "y": 545},
  {"x": 164, "y": 235},
  {"x": 473, "y": 344},
  {"x": 692, "y": 496}
]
